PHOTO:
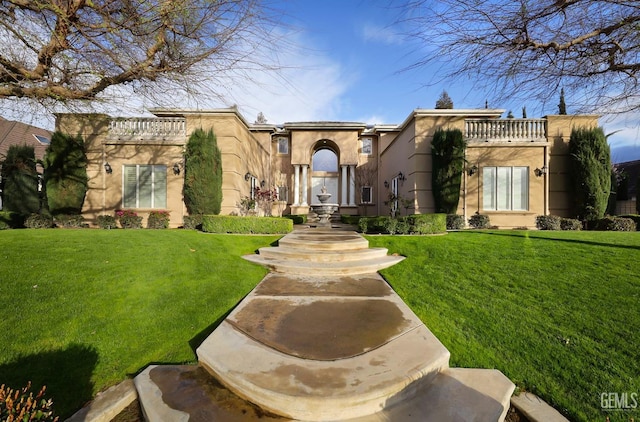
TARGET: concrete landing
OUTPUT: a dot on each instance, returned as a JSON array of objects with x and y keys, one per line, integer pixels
[{"x": 311, "y": 345}]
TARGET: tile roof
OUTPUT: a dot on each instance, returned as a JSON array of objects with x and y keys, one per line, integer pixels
[{"x": 17, "y": 133}]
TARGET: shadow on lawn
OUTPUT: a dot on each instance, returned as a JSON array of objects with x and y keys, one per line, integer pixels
[
  {"x": 66, "y": 374},
  {"x": 555, "y": 239}
]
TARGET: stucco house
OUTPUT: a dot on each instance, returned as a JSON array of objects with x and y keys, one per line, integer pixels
[{"x": 516, "y": 168}]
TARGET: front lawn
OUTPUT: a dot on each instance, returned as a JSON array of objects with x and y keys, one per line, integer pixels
[
  {"x": 83, "y": 309},
  {"x": 557, "y": 312}
]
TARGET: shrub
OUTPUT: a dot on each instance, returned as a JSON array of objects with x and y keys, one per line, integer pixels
[
  {"x": 297, "y": 219},
  {"x": 455, "y": 222},
  {"x": 590, "y": 172},
  {"x": 158, "y": 220},
  {"x": 192, "y": 222},
  {"x": 38, "y": 221},
  {"x": 479, "y": 221},
  {"x": 349, "y": 219},
  {"x": 107, "y": 222},
  {"x": 570, "y": 224},
  {"x": 129, "y": 219},
  {"x": 403, "y": 226},
  {"x": 428, "y": 223},
  {"x": 65, "y": 174},
  {"x": 447, "y": 156},
  {"x": 10, "y": 220},
  {"x": 202, "y": 174},
  {"x": 246, "y": 225},
  {"x": 21, "y": 405},
  {"x": 634, "y": 217},
  {"x": 390, "y": 225},
  {"x": 20, "y": 181},
  {"x": 363, "y": 224},
  {"x": 548, "y": 222},
  {"x": 70, "y": 221},
  {"x": 617, "y": 224}
]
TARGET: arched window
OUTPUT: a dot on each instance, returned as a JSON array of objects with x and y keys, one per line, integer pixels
[{"x": 325, "y": 160}]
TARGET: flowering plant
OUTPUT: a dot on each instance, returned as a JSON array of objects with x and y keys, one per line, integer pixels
[
  {"x": 265, "y": 198},
  {"x": 129, "y": 219}
]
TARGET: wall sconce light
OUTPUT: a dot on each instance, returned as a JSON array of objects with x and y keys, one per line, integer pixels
[
  {"x": 386, "y": 184},
  {"x": 247, "y": 177},
  {"x": 401, "y": 177},
  {"x": 262, "y": 184},
  {"x": 107, "y": 168},
  {"x": 473, "y": 170},
  {"x": 541, "y": 171},
  {"x": 176, "y": 168}
]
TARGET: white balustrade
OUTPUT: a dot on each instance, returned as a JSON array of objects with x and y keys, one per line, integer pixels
[
  {"x": 148, "y": 126},
  {"x": 506, "y": 130}
]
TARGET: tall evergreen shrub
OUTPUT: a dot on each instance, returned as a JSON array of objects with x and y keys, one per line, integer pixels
[
  {"x": 590, "y": 172},
  {"x": 203, "y": 174},
  {"x": 20, "y": 181},
  {"x": 65, "y": 174},
  {"x": 447, "y": 155}
]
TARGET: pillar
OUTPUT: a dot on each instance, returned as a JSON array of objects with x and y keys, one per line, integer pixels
[
  {"x": 352, "y": 185},
  {"x": 296, "y": 184},
  {"x": 304, "y": 184},
  {"x": 343, "y": 186}
]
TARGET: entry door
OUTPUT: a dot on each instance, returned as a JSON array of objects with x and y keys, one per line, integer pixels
[{"x": 331, "y": 183}]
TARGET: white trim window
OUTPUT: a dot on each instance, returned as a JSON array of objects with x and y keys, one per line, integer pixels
[
  {"x": 505, "y": 188},
  {"x": 144, "y": 186},
  {"x": 366, "y": 193},
  {"x": 283, "y": 146},
  {"x": 253, "y": 183},
  {"x": 367, "y": 146}
]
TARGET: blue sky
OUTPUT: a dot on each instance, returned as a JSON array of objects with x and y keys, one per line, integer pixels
[{"x": 346, "y": 60}]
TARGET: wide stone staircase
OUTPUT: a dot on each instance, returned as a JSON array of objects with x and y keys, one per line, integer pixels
[{"x": 323, "y": 338}]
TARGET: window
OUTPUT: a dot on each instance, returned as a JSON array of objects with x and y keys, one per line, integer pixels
[
  {"x": 42, "y": 139},
  {"x": 366, "y": 193},
  {"x": 283, "y": 145},
  {"x": 283, "y": 193},
  {"x": 367, "y": 146},
  {"x": 505, "y": 188},
  {"x": 325, "y": 160},
  {"x": 144, "y": 186},
  {"x": 253, "y": 182}
]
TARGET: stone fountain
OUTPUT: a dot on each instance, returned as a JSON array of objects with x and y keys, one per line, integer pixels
[{"x": 324, "y": 210}]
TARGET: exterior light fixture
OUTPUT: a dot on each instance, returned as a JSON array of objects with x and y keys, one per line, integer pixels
[
  {"x": 541, "y": 171},
  {"x": 386, "y": 184},
  {"x": 247, "y": 176},
  {"x": 473, "y": 170},
  {"x": 262, "y": 184},
  {"x": 107, "y": 168},
  {"x": 401, "y": 177},
  {"x": 176, "y": 168}
]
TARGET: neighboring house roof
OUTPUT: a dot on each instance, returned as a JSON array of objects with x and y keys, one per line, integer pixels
[
  {"x": 632, "y": 170},
  {"x": 17, "y": 133}
]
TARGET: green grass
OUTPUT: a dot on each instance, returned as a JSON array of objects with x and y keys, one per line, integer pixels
[
  {"x": 557, "y": 312},
  {"x": 83, "y": 309}
]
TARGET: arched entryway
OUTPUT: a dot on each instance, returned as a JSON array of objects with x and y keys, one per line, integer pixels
[{"x": 324, "y": 171}]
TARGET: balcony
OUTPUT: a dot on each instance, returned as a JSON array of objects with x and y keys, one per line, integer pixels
[
  {"x": 151, "y": 128},
  {"x": 506, "y": 130}
]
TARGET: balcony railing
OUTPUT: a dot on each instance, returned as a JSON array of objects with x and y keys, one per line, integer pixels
[
  {"x": 148, "y": 127},
  {"x": 506, "y": 130}
]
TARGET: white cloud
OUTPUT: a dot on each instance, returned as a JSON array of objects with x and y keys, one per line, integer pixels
[{"x": 371, "y": 32}]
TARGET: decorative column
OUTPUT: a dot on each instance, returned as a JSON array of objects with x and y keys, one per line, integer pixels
[
  {"x": 304, "y": 184},
  {"x": 352, "y": 185},
  {"x": 296, "y": 184},
  {"x": 343, "y": 186}
]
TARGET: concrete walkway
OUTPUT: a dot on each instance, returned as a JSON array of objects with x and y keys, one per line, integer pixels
[{"x": 323, "y": 338}]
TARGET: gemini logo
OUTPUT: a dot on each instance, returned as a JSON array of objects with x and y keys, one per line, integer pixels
[{"x": 612, "y": 402}]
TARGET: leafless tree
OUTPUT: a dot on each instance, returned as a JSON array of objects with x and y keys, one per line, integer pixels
[
  {"x": 533, "y": 48},
  {"x": 78, "y": 50}
]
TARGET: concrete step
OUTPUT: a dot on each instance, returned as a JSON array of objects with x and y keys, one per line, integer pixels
[
  {"x": 312, "y": 255},
  {"x": 363, "y": 266},
  {"x": 322, "y": 239}
]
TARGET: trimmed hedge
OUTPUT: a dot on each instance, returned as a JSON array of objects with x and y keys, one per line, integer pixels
[
  {"x": 246, "y": 225},
  {"x": 349, "y": 219},
  {"x": 296, "y": 218},
  {"x": 10, "y": 220},
  {"x": 570, "y": 224},
  {"x": 192, "y": 222},
  {"x": 107, "y": 222},
  {"x": 417, "y": 224},
  {"x": 479, "y": 221},
  {"x": 38, "y": 221},
  {"x": 70, "y": 221},
  {"x": 549, "y": 222},
  {"x": 634, "y": 217},
  {"x": 617, "y": 224}
]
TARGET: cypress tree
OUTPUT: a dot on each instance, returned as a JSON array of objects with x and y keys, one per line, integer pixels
[
  {"x": 590, "y": 172},
  {"x": 562, "y": 106},
  {"x": 203, "y": 174},
  {"x": 20, "y": 181},
  {"x": 65, "y": 174},
  {"x": 447, "y": 155}
]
